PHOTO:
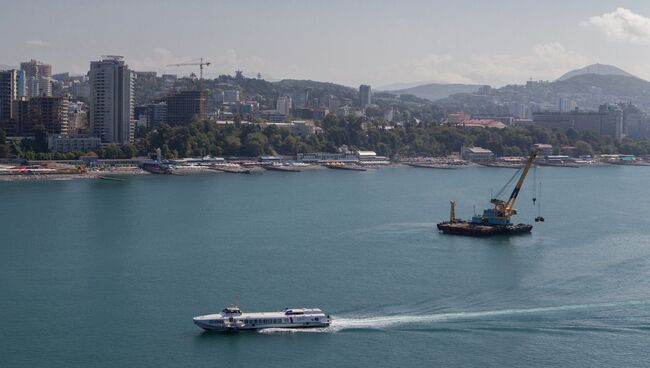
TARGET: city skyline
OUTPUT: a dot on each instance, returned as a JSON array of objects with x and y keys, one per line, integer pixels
[{"x": 376, "y": 43}]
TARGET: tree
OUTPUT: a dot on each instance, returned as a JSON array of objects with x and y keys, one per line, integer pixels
[
  {"x": 129, "y": 151},
  {"x": 4, "y": 147},
  {"x": 254, "y": 144},
  {"x": 112, "y": 152},
  {"x": 584, "y": 149}
]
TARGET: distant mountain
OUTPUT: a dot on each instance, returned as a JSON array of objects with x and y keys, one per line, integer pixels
[
  {"x": 436, "y": 91},
  {"x": 619, "y": 86},
  {"x": 7, "y": 67},
  {"x": 598, "y": 69}
]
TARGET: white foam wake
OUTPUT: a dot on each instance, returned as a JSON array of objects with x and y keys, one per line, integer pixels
[{"x": 380, "y": 322}]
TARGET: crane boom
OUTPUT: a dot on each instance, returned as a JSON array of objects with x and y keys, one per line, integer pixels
[
  {"x": 504, "y": 209},
  {"x": 520, "y": 182},
  {"x": 201, "y": 63}
]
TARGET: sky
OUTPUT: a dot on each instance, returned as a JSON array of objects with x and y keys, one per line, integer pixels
[{"x": 381, "y": 43}]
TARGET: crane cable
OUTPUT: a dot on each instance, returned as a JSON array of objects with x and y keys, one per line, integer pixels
[{"x": 500, "y": 192}]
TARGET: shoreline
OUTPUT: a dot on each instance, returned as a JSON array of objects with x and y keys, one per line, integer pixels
[{"x": 203, "y": 170}]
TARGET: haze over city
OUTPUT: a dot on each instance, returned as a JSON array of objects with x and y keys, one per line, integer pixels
[{"x": 347, "y": 42}]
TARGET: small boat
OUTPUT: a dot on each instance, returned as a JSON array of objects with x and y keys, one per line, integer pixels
[
  {"x": 232, "y": 319},
  {"x": 103, "y": 177},
  {"x": 434, "y": 166},
  {"x": 280, "y": 167},
  {"x": 157, "y": 167},
  {"x": 341, "y": 166},
  {"x": 232, "y": 169}
]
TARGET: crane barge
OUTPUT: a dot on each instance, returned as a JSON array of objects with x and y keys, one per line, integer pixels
[{"x": 493, "y": 221}]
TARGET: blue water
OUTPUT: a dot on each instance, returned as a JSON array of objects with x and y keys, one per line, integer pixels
[{"x": 106, "y": 274}]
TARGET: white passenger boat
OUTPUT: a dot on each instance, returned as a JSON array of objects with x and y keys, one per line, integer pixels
[{"x": 232, "y": 319}]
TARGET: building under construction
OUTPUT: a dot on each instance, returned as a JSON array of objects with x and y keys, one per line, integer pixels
[{"x": 183, "y": 106}]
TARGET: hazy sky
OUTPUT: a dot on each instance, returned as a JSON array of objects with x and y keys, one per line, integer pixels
[{"x": 350, "y": 42}]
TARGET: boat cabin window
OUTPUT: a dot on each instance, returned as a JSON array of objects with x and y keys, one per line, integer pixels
[
  {"x": 290, "y": 312},
  {"x": 231, "y": 310}
]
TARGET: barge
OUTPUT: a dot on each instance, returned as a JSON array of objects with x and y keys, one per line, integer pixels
[{"x": 496, "y": 220}]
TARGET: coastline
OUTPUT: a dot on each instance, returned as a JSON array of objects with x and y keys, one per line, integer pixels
[{"x": 200, "y": 170}]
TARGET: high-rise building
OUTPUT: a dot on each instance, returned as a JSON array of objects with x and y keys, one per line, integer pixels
[
  {"x": 156, "y": 114},
  {"x": 51, "y": 112},
  {"x": 365, "y": 95},
  {"x": 8, "y": 96},
  {"x": 39, "y": 87},
  {"x": 35, "y": 70},
  {"x": 283, "y": 105},
  {"x": 112, "y": 100},
  {"x": 183, "y": 106},
  {"x": 21, "y": 84}
]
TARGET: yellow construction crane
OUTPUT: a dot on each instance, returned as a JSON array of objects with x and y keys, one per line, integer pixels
[
  {"x": 505, "y": 209},
  {"x": 201, "y": 63}
]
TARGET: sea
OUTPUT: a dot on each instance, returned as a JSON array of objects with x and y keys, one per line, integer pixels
[{"x": 100, "y": 273}]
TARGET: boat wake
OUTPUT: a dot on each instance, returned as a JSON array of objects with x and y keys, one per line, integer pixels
[{"x": 393, "y": 321}]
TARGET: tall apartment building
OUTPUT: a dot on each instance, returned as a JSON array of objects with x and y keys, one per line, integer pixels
[
  {"x": 8, "y": 97},
  {"x": 51, "y": 112},
  {"x": 156, "y": 114},
  {"x": 112, "y": 100},
  {"x": 38, "y": 78},
  {"x": 283, "y": 105},
  {"x": 21, "y": 86},
  {"x": 365, "y": 95},
  {"x": 183, "y": 106}
]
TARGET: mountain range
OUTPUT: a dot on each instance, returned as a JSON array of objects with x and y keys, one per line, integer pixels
[{"x": 437, "y": 91}]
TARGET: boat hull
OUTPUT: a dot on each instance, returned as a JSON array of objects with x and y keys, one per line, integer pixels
[
  {"x": 465, "y": 228},
  {"x": 221, "y": 328}
]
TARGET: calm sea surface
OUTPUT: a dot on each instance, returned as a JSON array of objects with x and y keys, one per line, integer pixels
[{"x": 109, "y": 274}]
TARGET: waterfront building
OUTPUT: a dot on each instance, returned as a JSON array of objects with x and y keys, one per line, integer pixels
[
  {"x": 283, "y": 105},
  {"x": 477, "y": 154},
  {"x": 73, "y": 143},
  {"x": 316, "y": 157},
  {"x": 544, "y": 149},
  {"x": 184, "y": 106},
  {"x": 365, "y": 95},
  {"x": 112, "y": 100},
  {"x": 608, "y": 120},
  {"x": 51, "y": 112}
]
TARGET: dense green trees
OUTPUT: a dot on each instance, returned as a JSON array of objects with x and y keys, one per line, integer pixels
[
  {"x": 251, "y": 140},
  {"x": 202, "y": 138}
]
